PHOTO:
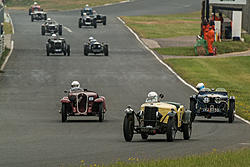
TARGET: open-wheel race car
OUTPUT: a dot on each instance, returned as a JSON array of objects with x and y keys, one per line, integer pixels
[
  {"x": 51, "y": 27},
  {"x": 34, "y": 8},
  {"x": 212, "y": 103},
  {"x": 87, "y": 21},
  {"x": 157, "y": 117},
  {"x": 95, "y": 47},
  {"x": 100, "y": 18},
  {"x": 36, "y": 13},
  {"x": 83, "y": 103},
  {"x": 57, "y": 46}
]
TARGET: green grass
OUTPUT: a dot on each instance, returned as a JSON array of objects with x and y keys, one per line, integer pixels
[
  {"x": 222, "y": 47},
  {"x": 5, "y": 54},
  {"x": 236, "y": 158},
  {"x": 165, "y": 26},
  {"x": 7, "y": 28},
  {"x": 57, "y": 4},
  {"x": 231, "y": 73},
  {"x": 176, "y": 51}
]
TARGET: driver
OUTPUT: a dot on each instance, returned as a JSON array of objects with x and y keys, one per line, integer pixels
[
  {"x": 75, "y": 85},
  {"x": 152, "y": 97},
  {"x": 48, "y": 21},
  {"x": 200, "y": 86},
  {"x": 35, "y": 3},
  {"x": 90, "y": 39}
]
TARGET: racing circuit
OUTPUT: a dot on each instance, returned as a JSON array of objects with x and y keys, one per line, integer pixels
[{"x": 32, "y": 84}]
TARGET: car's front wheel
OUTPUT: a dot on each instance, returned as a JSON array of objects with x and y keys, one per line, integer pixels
[
  {"x": 171, "y": 129},
  {"x": 193, "y": 109},
  {"x": 128, "y": 127},
  {"x": 187, "y": 130},
  {"x": 231, "y": 111},
  {"x": 64, "y": 113},
  {"x": 101, "y": 113}
]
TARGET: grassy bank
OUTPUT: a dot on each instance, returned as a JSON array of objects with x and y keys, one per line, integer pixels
[
  {"x": 237, "y": 158},
  {"x": 7, "y": 28},
  {"x": 231, "y": 73},
  {"x": 165, "y": 26},
  {"x": 58, "y": 4}
]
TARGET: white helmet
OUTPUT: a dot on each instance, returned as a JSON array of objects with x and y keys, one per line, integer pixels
[
  {"x": 53, "y": 36},
  {"x": 91, "y": 38},
  {"x": 200, "y": 86},
  {"x": 87, "y": 5},
  {"x": 152, "y": 97},
  {"x": 48, "y": 19},
  {"x": 35, "y": 3},
  {"x": 75, "y": 84}
]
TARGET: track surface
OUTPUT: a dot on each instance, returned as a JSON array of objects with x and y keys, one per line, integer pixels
[{"x": 31, "y": 133}]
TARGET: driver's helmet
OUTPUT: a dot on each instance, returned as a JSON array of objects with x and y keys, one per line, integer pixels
[
  {"x": 152, "y": 97},
  {"x": 75, "y": 84},
  {"x": 54, "y": 36},
  {"x": 200, "y": 86},
  {"x": 35, "y": 3},
  {"x": 87, "y": 5},
  {"x": 49, "y": 20},
  {"x": 91, "y": 38}
]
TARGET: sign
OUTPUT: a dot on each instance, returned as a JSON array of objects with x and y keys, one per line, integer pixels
[{"x": 229, "y": 2}]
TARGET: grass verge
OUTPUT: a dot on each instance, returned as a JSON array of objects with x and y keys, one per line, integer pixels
[
  {"x": 5, "y": 54},
  {"x": 231, "y": 73},
  {"x": 58, "y": 4},
  {"x": 7, "y": 28},
  {"x": 214, "y": 159},
  {"x": 165, "y": 26}
]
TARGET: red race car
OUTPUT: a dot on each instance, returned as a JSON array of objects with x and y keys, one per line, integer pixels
[
  {"x": 34, "y": 8},
  {"x": 83, "y": 103}
]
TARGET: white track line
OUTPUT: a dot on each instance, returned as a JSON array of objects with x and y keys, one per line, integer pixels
[
  {"x": 68, "y": 29},
  {"x": 169, "y": 68},
  {"x": 7, "y": 58}
]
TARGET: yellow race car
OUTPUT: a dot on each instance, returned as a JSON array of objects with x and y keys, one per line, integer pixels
[{"x": 157, "y": 117}]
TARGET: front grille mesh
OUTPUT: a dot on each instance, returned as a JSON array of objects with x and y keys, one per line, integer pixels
[{"x": 150, "y": 116}]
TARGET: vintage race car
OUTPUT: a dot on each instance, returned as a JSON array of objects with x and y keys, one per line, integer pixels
[
  {"x": 157, "y": 118},
  {"x": 57, "y": 46},
  {"x": 96, "y": 48},
  {"x": 92, "y": 13},
  {"x": 83, "y": 103},
  {"x": 51, "y": 27},
  {"x": 34, "y": 8},
  {"x": 211, "y": 103},
  {"x": 87, "y": 21},
  {"x": 38, "y": 15}
]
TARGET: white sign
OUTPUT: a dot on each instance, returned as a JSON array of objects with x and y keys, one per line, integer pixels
[{"x": 228, "y": 2}]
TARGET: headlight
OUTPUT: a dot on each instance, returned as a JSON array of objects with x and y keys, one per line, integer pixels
[
  {"x": 206, "y": 100},
  {"x": 217, "y": 100},
  {"x": 91, "y": 98}
]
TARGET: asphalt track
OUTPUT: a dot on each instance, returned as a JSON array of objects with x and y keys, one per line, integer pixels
[{"x": 31, "y": 133}]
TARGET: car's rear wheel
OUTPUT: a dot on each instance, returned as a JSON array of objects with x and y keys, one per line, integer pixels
[
  {"x": 231, "y": 111},
  {"x": 64, "y": 112},
  {"x": 187, "y": 130},
  {"x": 101, "y": 113},
  {"x": 47, "y": 49},
  {"x": 60, "y": 30},
  {"x": 104, "y": 20},
  {"x": 32, "y": 18},
  {"x": 106, "y": 50},
  {"x": 94, "y": 23},
  {"x": 68, "y": 50},
  {"x": 86, "y": 50},
  {"x": 144, "y": 136},
  {"x": 43, "y": 30},
  {"x": 128, "y": 127},
  {"x": 171, "y": 129},
  {"x": 45, "y": 17},
  {"x": 30, "y": 10},
  {"x": 193, "y": 109},
  {"x": 80, "y": 23}
]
